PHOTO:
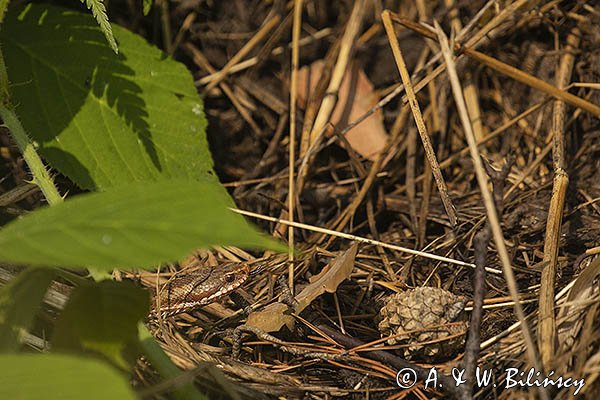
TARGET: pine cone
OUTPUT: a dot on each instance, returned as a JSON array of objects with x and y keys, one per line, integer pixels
[{"x": 419, "y": 315}]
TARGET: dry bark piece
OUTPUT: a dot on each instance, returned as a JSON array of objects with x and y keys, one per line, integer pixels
[
  {"x": 356, "y": 96},
  {"x": 420, "y": 316}
]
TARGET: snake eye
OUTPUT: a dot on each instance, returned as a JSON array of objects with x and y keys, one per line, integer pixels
[{"x": 229, "y": 278}]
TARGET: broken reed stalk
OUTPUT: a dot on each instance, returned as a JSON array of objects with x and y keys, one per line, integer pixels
[
  {"x": 488, "y": 201},
  {"x": 546, "y": 316},
  {"x": 414, "y": 105}
]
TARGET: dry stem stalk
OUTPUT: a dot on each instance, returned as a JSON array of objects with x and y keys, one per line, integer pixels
[
  {"x": 470, "y": 89},
  {"x": 481, "y": 242},
  {"x": 490, "y": 208},
  {"x": 347, "y": 44},
  {"x": 421, "y": 225},
  {"x": 360, "y": 239},
  {"x": 546, "y": 318},
  {"x": 532, "y": 81},
  {"x": 250, "y": 62},
  {"x": 411, "y": 147},
  {"x": 308, "y": 149},
  {"x": 311, "y": 136},
  {"x": 201, "y": 61},
  {"x": 313, "y": 102},
  {"x": 507, "y": 70},
  {"x": 292, "y": 147},
  {"x": 262, "y": 32},
  {"x": 474, "y": 41},
  {"x": 165, "y": 22},
  {"x": 414, "y": 104}
]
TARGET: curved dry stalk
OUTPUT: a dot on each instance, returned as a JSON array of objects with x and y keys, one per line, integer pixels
[{"x": 546, "y": 317}]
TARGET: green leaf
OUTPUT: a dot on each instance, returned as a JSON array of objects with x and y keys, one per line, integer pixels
[
  {"x": 102, "y": 317},
  {"x": 3, "y": 8},
  {"x": 19, "y": 301},
  {"x": 101, "y": 119},
  {"x": 54, "y": 376},
  {"x": 99, "y": 12},
  {"x": 147, "y": 6},
  {"x": 140, "y": 225}
]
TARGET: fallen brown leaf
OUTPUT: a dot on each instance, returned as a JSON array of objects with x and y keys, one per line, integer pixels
[
  {"x": 273, "y": 317},
  {"x": 356, "y": 96},
  {"x": 328, "y": 279}
]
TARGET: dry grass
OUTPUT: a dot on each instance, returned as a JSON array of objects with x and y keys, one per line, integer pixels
[{"x": 528, "y": 74}]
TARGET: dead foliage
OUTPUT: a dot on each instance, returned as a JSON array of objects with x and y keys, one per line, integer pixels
[{"x": 528, "y": 74}]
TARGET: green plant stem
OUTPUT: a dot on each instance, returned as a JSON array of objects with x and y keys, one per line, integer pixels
[{"x": 40, "y": 174}]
